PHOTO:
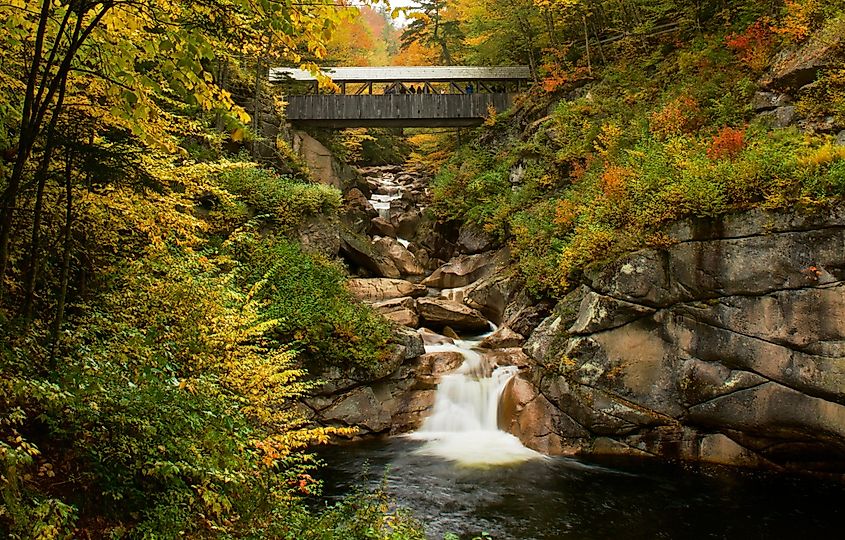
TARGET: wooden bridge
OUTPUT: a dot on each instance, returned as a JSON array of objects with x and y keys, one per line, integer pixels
[{"x": 400, "y": 96}]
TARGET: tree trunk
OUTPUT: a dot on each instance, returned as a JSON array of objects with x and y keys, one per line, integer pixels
[
  {"x": 41, "y": 176},
  {"x": 60, "y": 303}
]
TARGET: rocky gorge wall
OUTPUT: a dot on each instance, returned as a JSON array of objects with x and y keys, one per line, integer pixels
[{"x": 728, "y": 347}]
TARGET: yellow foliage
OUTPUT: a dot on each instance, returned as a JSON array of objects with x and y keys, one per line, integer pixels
[{"x": 823, "y": 155}]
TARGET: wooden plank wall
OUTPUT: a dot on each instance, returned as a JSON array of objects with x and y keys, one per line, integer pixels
[{"x": 393, "y": 107}]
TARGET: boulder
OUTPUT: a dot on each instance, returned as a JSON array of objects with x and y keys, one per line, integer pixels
[
  {"x": 474, "y": 239},
  {"x": 399, "y": 310},
  {"x": 508, "y": 356},
  {"x": 781, "y": 117},
  {"x": 382, "y": 227},
  {"x": 465, "y": 269},
  {"x": 360, "y": 251},
  {"x": 430, "y": 337},
  {"x": 490, "y": 295},
  {"x": 402, "y": 259},
  {"x": 406, "y": 223},
  {"x": 440, "y": 312},
  {"x": 378, "y": 289},
  {"x": 502, "y": 338},
  {"x": 359, "y": 408},
  {"x": 439, "y": 363}
]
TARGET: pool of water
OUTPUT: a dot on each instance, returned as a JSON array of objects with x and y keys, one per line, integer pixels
[{"x": 564, "y": 498}]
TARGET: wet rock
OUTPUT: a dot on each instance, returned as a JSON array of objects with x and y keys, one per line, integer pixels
[
  {"x": 506, "y": 356},
  {"x": 402, "y": 259},
  {"x": 430, "y": 337},
  {"x": 540, "y": 425},
  {"x": 378, "y": 289},
  {"x": 465, "y": 269},
  {"x": 439, "y": 313},
  {"x": 439, "y": 363},
  {"x": 502, "y": 338},
  {"x": 399, "y": 310}
]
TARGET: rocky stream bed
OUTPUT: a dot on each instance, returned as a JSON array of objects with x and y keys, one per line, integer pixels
[{"x": 725, "y": 346}]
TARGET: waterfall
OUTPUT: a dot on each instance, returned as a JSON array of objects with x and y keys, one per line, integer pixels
[{"x": 463, "y": 425}]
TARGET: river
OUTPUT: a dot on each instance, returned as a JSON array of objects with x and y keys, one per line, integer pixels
[{"x": 566, "y": 498}]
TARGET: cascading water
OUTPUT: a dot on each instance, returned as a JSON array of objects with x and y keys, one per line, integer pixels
[{"x": 463, "y": 426}]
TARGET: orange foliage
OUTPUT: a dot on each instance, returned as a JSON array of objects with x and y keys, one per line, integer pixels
[
  {"x": 755, "y": 45},
  {"x": 565, "y": 213},
  {"x": 558, "y": 71},
  {"x": 796, "y": 23},
  {"x": 416, "y": 54},
  {"x": 681, "y": 115},
  {"x": 614, "y": 180},
  {"x": 728, "y": 143}
]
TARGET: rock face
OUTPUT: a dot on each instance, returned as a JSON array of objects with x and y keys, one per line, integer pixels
[
  {"x": 394, "y": 399},
  {"x": 726, "y": 347}
]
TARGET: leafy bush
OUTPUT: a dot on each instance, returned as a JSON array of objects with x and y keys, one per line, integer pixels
[
  {"x": 307, "y": 297},
  {"x": 287, "y": 201}
]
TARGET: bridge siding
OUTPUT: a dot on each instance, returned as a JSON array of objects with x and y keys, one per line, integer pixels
[{"x": 393, "y": 109}]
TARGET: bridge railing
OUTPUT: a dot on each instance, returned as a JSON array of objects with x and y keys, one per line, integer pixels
[{"x": 394, "y": 109}]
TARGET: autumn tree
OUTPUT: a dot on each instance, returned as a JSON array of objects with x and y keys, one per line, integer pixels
[
  {"x": 432, "y": 26},
  {"x": 130, "y": 61}
]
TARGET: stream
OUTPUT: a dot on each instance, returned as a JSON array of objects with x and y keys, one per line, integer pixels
[
  {"x": 564, "y": 498},
  {"x": 458, "y": 473}
]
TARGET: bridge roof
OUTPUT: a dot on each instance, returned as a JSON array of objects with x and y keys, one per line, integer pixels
[{"x": 387, "y": 74}]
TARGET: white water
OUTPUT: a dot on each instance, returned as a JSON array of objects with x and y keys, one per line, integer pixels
[
  {"x": 463, "y": 426},
  {"x": 392, "y": 192}
]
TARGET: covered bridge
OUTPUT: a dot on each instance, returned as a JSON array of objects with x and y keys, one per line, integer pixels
[{"x": 400, "y": 96}]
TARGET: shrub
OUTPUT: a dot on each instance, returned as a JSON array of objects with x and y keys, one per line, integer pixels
[
  {"x": 286, "y": 201},
  {"x": 754, "y": 45},
  {"x": 679, "y": 116},
  {"x": 307, "y": 297},
  {"x": 727, "y": 143}
]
